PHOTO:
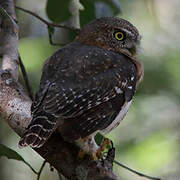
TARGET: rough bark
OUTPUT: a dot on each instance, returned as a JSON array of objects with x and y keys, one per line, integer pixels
[{"x": 15, "y": 109}]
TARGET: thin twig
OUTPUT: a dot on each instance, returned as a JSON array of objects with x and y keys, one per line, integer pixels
[
  {"x": 51, "y": 41},
  {"x": 40, "y": 170},
  {"x": 47, "y": 22},
  {"x": 30, "y": 167},
  {"x": 134, "y": 171},
  {"x": 25, "y": 77},
  {"x": 111, "y": 155}
]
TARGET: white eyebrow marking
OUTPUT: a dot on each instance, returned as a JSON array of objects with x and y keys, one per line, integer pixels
[{"x": 128, "y": 32}]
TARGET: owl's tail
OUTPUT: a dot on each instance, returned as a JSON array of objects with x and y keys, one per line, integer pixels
[{"x": 38, "y": 131}]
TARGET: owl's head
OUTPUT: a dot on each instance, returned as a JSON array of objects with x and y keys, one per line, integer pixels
[{"x": 112, "y": 34}]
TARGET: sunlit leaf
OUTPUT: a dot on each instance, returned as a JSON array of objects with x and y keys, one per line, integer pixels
[
  {"x": 58, "y": 10},
  {"x": 9, "y": 153}
]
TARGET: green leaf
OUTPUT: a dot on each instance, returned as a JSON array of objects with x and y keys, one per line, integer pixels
[
  {"x": 9, "y": 153},
  {"x": 98, "y": 8},
  {"x": 58, "y": 10},
  {"x": 99, "y": 138},
  {"x": 88, "y": 14}
]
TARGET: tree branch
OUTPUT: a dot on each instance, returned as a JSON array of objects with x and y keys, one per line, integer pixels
[
  {"x": 26, "y": 79},
  {"x": 49, "y": 24},
  {"x": 15, "y": 109},
  {"x": 9, "y": 37}
]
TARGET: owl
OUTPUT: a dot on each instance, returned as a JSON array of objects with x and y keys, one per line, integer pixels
[{"x": 87, "y": 86}]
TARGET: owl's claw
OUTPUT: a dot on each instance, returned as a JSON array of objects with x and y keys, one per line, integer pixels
[
  {"x": 106, "y": 142},
  {"x": 98, "y": 155}
]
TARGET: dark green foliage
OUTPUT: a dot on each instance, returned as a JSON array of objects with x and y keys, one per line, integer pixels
[
  {"x": 58, "y": 10},
  {"x": 9, "y": 153},
  {"x": 98, "y": 8},
  {"x": 99, "y": 138},
  {"x": 89, "y": 13}
]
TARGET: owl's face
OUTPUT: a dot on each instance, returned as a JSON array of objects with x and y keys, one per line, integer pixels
[{"x": 112, "y": 34}]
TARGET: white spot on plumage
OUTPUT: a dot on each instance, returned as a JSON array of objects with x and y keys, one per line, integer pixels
[
  {"x": 60, "y": 107},
  {"x": 106, "y": 98},
  {"x": 42, "y": 128},
  {"x": 118, "y": 90},
  {"x": 71, "y": 101},
  {"x": 34, "y": 134},
  {"x": 124, "y": 83},
  {"x": 80, "y": 95},
  {"x": 97, "y": 103},
  {"x": 129, "y": 87},
  {"x": 132, "y": 78},
  {"x": 89, "y": 106}
]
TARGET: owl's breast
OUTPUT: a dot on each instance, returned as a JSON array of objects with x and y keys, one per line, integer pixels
[{"x": 118, "y": 118}]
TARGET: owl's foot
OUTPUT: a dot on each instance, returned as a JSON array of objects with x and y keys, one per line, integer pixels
[
  {"x": 94, "y": 155},
  {"x": 105, "y": 144},
  {"x": 89, "y": 146}
]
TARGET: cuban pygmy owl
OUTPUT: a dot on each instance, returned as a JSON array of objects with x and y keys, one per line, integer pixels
[{"x": 87, "y": 86}]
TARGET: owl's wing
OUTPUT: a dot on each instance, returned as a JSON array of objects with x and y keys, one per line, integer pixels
[
  {"x": 78, "y": 112},
  {"x": 80, "y": 108}
]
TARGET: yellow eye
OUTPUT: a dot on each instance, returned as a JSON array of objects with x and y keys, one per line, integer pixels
[{"x": 119, "y": 36}]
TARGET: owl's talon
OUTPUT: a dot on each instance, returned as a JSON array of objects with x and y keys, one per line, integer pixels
[
  {"x": 106, "y": 142},
  {"x": 94, "y": 156},
  {"x": 98, "y": 155}
]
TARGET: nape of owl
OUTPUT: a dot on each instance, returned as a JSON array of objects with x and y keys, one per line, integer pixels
[{"x": 87, "y": 86}]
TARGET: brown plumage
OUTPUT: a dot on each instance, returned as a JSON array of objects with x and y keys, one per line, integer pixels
[{"x": 87, "y": 86}]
